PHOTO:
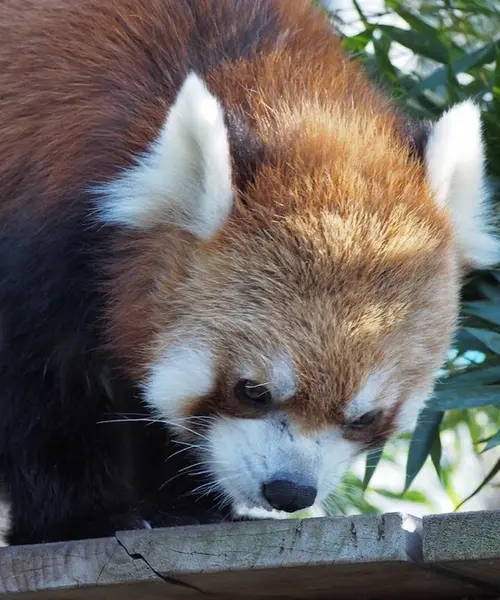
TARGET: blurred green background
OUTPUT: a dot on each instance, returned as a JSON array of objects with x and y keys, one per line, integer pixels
[{"x": 430, "y": 55}]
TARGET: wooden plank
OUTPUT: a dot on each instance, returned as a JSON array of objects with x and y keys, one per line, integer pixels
[
  {"x": 363, "y": 556},
  {"x": 350, "y": 557},
  {"x": 63, "y": 569},
  {"x": 466, "y": 544}
]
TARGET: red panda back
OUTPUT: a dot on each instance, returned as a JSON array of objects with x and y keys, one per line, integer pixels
[{"x": 86, "y": 84}]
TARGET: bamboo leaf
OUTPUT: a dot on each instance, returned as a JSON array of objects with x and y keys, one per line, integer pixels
[
  {"x": 415, "y": 22},
  {"x": 410, "y": 496},
  {"x": 372, "y": 460},
  {"x": 473, "y": 376},
  {"x": 466, "y": 397},
  {"x": 463, "y": 64},
  {"x": 483, "y": 309},
  {"x": 485, "y": 482},
  {"x": 436, "y": 453},
  {"x": 465, "y": 341},
  {"x": 418, "y": 43},
  {"x": 493, "y": 442},
  {"x": 489, "y": 338},
  {"x": 357, "y": 43},
  {"x": 361, "y": 14},
  {"x": 421, "y": 443}
]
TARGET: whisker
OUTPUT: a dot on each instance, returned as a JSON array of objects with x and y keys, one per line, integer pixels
[
  {"x": 211, "y": 485},
  {"x": 187, "y": 447},
  {"x": 194, "y": 432},
  {"x": 200, "y": 463},
  {"x": 185, "y": 471}
]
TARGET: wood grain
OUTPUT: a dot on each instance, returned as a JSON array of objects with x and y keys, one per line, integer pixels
[{"x": 350, "y": 557}]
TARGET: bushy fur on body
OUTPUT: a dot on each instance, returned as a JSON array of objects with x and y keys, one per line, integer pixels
[{"x": 196, "y": 192}]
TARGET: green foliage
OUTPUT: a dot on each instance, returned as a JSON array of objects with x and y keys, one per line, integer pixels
[{"x": 455, "y": 49}]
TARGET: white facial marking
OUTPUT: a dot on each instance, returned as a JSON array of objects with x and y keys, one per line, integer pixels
[
  {"x": 182, "y": 374},
  {"x": 372, "y": 395},
  {"x": 283, "y": 377},
  {"x": 455, "y": 165},
  {"x": 409, "y": 412},
  {"x": 277, "y": 373},
  {"x": 245, "y": 454},
  {"x": 185, "y": 177}
]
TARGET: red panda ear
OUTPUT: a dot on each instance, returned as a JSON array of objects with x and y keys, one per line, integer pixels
[
  {"x": 454, "y": 159},
  {"x": 185, "y": 177}
]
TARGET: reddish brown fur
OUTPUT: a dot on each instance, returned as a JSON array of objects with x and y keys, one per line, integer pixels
[{"x": 348, "y": 289}]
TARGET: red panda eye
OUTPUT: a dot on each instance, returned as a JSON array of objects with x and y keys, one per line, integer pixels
[
  {"x": 367, "y": 420},
  {"x": 249, "y": 391}
]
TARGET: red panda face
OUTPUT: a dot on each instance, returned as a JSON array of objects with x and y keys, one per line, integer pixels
[
  {"x": 289, "y": 356},
  {"x": 312, "y": 311}
]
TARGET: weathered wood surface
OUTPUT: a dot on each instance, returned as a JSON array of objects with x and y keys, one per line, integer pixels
[
  {"x": 387, "y": 556},
  {"x": 467, "y": 544}
]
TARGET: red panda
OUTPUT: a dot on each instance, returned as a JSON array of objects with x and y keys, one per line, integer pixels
[{"x": 212, "y": 219}]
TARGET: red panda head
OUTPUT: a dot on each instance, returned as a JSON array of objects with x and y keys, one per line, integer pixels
[{"x": 301, "y": 319}]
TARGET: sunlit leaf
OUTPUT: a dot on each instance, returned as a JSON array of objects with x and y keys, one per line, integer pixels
[
  {"x": 357, "y": 43},
  {"x": 409, "y": 496}
]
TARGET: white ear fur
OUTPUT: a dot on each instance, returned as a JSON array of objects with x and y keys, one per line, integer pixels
[
  {"x": 455, "y": 159},
  {"x": 185, "y": 177}
]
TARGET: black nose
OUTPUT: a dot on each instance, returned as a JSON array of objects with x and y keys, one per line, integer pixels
[{"x": 287, "y": 495}]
